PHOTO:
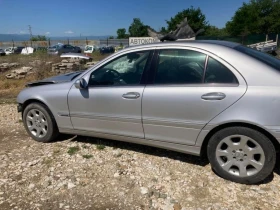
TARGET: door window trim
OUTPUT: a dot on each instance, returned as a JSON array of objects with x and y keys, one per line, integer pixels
[
  {"x": 154, "y": 65},
  {"x": 143, "y": 77}
]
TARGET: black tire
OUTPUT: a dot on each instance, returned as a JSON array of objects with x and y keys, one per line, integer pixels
[
  {"x": 52, "y": 131},
  {"x": 263, "y": 141}
]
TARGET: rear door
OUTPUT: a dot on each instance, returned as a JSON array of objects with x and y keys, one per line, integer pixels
[{"x": 189, "y": 88}]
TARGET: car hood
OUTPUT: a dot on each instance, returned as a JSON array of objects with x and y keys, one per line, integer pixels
[{"x": 56, "y": 79}]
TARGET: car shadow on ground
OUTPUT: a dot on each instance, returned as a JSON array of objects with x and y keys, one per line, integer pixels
[
  {"x": 201, "y": 161},
  {"x": 149, "y": 150}
]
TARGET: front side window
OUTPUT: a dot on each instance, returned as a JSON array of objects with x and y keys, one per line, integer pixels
[
  {"x": 124, "y": 70},
  {"x": 179, "y": 66},
  {"x": 218, "y": 73}
]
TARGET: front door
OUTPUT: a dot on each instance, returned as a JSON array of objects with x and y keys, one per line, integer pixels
[
  {"x": 112, "y": 102},
  {"x": 190, "y": 88}
]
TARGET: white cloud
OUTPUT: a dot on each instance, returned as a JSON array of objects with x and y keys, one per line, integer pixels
[
  {"x": 69, "y": 32},
  {"x": 47, "y": 33},
  {"x": 22, "y": 32}
]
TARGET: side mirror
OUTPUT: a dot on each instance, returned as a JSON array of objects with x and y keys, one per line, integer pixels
[{"x": 81, "y": 83}]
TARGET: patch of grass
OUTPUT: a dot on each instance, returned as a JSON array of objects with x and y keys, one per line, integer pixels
[
  {"x": 73, "y": 150},
  {"x": 100, "y": 146},
  {"x": 87, "y": 156}
]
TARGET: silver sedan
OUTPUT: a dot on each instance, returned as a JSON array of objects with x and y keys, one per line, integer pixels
[{"x": 199, "y": 97}]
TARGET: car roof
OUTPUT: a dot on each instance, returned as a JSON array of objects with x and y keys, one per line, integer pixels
[{"x": 190, "y": 43}]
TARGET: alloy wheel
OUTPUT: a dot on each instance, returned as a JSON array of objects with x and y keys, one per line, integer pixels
[
  {"x": 240, "y": 155},
  {"x": 37, "y": 123}
]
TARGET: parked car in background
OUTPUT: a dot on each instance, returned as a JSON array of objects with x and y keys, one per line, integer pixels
[
  {"x": 18, "y": 50},
  {"x": 27, "y": 50},
  {"x": 2, "y": 52},
  {"x": 106, "y": 49},
  {"x": 10, "y": 50},
  {"x": 200, "y": 97},
  {"x": 63, "y": 48},
  {"x": 90, "y": 49}
]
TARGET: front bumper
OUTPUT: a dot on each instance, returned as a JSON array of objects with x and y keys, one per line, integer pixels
[{"x": 19, "y": 108}]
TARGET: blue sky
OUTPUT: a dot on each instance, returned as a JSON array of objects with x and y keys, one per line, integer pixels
[{"x": 101, "y": 17}]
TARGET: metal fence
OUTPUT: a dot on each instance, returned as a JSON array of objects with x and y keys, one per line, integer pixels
[
  {"x": 80, "y": 43},
  {"x": 246, "y": 40}
]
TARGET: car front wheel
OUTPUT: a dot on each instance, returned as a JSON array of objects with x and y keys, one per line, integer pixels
[
  {"x": 39, "y": 122},
  {"x": 241, "y": 154}
]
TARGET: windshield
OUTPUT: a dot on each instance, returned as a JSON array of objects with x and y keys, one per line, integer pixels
[{"x": 260, "y": 56}]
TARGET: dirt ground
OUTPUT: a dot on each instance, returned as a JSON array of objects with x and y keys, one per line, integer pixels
[{"x": 88, "y": 173}]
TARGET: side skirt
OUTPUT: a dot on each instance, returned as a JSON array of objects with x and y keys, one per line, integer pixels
[{"x": 193, "y": 150}]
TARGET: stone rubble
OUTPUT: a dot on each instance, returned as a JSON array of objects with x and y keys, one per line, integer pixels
[
  {"x": 19, "y": 73},
  {"x": 121, "y": 176},
  {"x": 7, "y": 66}
]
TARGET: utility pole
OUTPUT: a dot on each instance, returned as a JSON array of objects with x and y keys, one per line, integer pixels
[{"x": 30, "y": 32}]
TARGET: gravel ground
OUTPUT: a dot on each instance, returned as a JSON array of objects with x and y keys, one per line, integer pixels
[{"x": 88, "y": 173}]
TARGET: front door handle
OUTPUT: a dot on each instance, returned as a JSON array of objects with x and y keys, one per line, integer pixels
[
  {"x": 213, "y": 96},
  {"x": 131, "y": 95}
]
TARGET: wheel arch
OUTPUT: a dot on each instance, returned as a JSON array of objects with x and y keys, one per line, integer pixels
[
  {"x": 34, "y": 100},
  {"x": 29, "y": 101},
  {"x": 237, "y": 124}
]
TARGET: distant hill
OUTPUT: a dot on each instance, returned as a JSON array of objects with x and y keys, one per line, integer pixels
[{"x": 25, "y": 37}]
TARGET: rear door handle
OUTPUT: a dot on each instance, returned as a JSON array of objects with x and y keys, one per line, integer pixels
[
  {"x": 131, "y": 95},
  {"x": 213, "y": 96}
]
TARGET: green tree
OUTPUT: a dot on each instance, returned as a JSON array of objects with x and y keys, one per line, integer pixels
[
  {"x": 111, "y": 37},
  {"x": 163, "y": 30},
  {"x": 256, "y": 16},
  {"x": 39, "y": 38},
  {"x": 121, "y": 32},
  {"x": 196, "y": 19},
  {"x": 214, "y": 31},
  {"x": 138, "y": 29}
]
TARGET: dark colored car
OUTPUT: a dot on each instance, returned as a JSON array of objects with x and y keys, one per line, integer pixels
[
  {"x": 63, "y": 48},
  {"x": 107, "y": 49},
  {"x": 2, "y": 52},
  {"x": 18, "y": 50}
]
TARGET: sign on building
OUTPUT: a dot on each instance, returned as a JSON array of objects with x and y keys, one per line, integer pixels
[
  {"x": 141, "y": 40},
  {"x": 148, "y": 40}
]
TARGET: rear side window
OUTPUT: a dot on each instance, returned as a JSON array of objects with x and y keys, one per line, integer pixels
[
  {"x": 218, "y": 73},
  {"x": 178, "y": 66},
  {"x": 260, "y": 56}
]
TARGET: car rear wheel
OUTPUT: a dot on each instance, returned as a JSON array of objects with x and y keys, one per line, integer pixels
[
  {"x": 241, "y": 154},
  {"x": 40, "y": 123}
]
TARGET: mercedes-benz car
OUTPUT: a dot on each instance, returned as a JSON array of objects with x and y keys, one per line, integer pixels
[
  {"x": 63, "y": 48},
  {"x": 197, "y": 97}
]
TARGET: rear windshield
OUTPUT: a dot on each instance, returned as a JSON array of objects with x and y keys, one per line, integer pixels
[{"x": 263, "y": 57}]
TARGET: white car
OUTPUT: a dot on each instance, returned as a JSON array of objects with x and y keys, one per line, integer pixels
[
  {"x": 9, "y": 50},
  {"x": 27, "y": 50},
  {"x": 90, "y": 48}
]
